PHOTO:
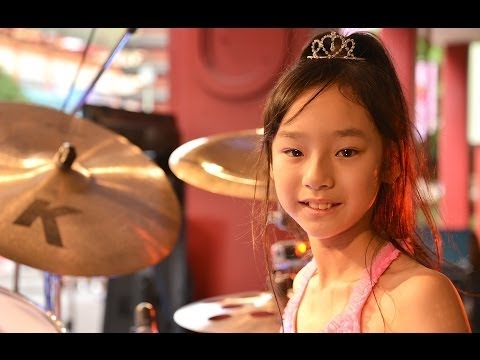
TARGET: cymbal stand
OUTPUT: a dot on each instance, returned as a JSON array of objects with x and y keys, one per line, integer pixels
[
  {"x": 120, "y": 45},
  {"x": 66, "y": 154},
  {"x": 53, "y": 286},
  {"x": 16, "y": 277}
]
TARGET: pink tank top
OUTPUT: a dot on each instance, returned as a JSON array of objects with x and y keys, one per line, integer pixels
[{"x": 349, "y": 320}]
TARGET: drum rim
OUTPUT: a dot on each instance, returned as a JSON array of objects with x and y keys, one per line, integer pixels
[{"x": 57, "y": 324}]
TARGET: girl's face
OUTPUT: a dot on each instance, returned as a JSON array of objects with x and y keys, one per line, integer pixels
[{"x": 326, "y": 164}]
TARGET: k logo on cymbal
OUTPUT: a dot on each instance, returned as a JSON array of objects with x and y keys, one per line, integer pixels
[{"x": 39, "y": 208}]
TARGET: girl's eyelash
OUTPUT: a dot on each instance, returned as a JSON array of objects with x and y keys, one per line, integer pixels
[
  {"x": 346, "y": 152},
  {"x": 350, "y": 151},
  {"x": 292, "y": 152}
]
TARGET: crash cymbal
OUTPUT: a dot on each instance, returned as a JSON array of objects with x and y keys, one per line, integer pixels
[
  {"x": 78, "y": 199},
  {"x": 224, "y": 164},
  {"x": 248, "y": 312}
]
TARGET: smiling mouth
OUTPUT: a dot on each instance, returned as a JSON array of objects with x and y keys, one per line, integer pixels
[{"x": 316, "y": 206}]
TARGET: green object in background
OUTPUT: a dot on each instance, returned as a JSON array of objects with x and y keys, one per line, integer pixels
[{"x": 10, "y": 90}]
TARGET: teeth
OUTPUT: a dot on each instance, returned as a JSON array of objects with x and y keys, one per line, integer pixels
[{"x": 320, "y": 206}]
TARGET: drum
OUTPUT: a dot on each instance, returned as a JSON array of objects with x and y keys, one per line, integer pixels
[{"x": 20, "y": 315}]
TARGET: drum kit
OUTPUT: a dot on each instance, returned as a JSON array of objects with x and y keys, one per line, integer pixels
[
  {"x": 77, "y": 200},
  {"x": 228, "y": 164},
  {"x": 212, "y": 164},
  {"x": 81, "y": 200}
]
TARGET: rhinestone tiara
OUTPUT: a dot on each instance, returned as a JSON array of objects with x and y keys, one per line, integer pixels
[{"x": 338, "y": 46}]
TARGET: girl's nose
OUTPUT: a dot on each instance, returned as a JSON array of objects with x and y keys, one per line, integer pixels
[{"x": 318, "y": 174}]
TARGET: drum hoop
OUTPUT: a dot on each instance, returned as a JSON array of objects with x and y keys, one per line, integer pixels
[{"x": 45, "y": 314}]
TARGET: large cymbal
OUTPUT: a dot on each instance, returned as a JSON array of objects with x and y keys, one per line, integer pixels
[
  {"x": 224, "y": 164},
  {"x": 249, "y": 312},
  {"x": 111, "y": 212}
]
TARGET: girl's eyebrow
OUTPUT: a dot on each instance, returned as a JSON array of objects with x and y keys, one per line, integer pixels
[
  {"x": 289, "y": 134},
  {"x": 349, "y": 132}
]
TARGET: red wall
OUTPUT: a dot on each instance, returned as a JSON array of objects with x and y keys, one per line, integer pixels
[
  {"x": 219, "y": 80},
  {"x": 401, "y": 43}
]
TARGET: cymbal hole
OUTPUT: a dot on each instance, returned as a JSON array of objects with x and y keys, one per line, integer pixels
[
  {"x": 261, "y": 313},
  {"x": 231, "y": 306},
  {"x": 219, "y": 317}
]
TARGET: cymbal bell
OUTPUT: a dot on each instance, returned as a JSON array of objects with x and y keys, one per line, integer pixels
[
  {"x": 78, "y": 199},
  {"x": 247, "y": 312},
  {"x": 224, "y": 164}
]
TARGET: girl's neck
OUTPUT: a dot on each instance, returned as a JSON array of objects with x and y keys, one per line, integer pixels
[{"x": 343, "y": 259}]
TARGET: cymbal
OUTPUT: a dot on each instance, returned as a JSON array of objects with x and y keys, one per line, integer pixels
[
  {"x": 224, "y": 164},
  {"x": 247, "y": 312},
  {"x": 78, "y": 199}
]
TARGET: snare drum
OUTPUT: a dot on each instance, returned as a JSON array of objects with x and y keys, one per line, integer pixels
[{"x": 20, "y": 315}]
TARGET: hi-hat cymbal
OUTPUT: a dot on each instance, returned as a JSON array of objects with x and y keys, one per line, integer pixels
[
  {"x": 224, "y": 164},
  {"x": 78, "y": 199},
  {"x": 248, "y": 312}
]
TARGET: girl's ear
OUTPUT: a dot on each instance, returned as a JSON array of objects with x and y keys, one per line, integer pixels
[{"x": 391, "y": 166}]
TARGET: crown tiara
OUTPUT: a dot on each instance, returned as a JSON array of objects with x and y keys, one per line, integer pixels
[{"x": 338, "y": 44}]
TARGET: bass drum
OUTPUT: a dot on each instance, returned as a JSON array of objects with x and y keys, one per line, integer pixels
[{"x": 20, "y": 315}]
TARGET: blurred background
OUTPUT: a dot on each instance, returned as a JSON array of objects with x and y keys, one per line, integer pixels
[{"x": 166, "y": 87}]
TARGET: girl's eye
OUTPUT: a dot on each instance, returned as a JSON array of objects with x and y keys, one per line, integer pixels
[
  {"x": 293, "y": 152},
  {"x": 346, "y": 153}
]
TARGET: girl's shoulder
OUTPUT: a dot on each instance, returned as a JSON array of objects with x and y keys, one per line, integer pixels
[
  {"x": 421, "y": 299},
  {"x": 406, "y": 274}
]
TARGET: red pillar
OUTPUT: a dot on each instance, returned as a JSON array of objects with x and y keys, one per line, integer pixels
[
  {"x": 219, "y": 81},
  {"x": 401, "y": 43},
  {"x": 476, "y": 186},
  {"x": 453, "y": 150}
]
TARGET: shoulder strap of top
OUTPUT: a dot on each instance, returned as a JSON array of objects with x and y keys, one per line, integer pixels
[
  {"x": 371, "y": 275},
  {"x": 301, "y": 281},
  {"x": 349, "y": 320}
]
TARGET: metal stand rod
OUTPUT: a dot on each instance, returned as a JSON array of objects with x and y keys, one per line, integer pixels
[
  {"x": 121, "y": 44},
  {"x": 16, "y": 277},
  {"x": 53, "y": 285}
]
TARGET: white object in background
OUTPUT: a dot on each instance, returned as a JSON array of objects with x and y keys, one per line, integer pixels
[{"x": 473, "y": 94}]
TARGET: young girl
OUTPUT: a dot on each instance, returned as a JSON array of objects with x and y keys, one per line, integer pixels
[{"x": 341, "y": 159}]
